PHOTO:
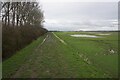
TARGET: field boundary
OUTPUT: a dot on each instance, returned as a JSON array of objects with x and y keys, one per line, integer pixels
[
  {"x": 42, "y": 42},
  {"x": 62, "y": 41}
]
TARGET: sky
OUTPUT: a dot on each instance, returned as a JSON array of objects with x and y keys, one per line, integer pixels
[{"x": 80, "y": 15}]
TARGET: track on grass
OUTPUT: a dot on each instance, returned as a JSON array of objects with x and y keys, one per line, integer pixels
[{"x": 53, "y": 58}]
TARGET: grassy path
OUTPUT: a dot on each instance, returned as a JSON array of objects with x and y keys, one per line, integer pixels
[{"x": 52, "y": 59}]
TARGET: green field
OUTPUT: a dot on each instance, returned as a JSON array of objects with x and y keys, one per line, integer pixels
[{"x": 59, "y": 55}]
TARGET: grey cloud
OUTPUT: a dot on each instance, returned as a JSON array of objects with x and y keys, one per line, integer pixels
[{"x": 75, "y": 16}]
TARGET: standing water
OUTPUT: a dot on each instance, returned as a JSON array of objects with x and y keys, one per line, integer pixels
[{"x": 84, "y": 35}]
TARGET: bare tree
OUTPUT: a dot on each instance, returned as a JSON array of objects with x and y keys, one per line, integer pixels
[{"x": 21, "y": 13}]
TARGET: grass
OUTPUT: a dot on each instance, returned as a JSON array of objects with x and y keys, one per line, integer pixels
[
  {"x": 96, "y": 49},
  {"x": 11, "y": 65},
  {"x": 53, "y": 59}
]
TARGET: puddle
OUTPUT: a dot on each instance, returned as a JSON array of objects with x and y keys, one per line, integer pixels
[
  {"x": 103, "y": 34},
  {"x": 84, "y": 35}
]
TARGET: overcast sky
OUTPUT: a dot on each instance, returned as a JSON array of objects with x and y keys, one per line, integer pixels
[{"x": 74, "y": 15}]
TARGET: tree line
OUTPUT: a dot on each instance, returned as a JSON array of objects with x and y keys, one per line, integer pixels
[
  {"x": 21, "y": 13},
  {"x": 21, "y": 24}
]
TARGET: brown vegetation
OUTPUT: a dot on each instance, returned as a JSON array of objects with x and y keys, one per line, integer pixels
[{"x": 21, "y": 24}]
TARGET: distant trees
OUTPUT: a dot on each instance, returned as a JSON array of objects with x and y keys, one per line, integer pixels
[{"x": 21, "y": 24}]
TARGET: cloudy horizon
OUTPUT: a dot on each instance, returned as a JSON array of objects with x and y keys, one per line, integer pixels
[{"x": 81, "y": 16}]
